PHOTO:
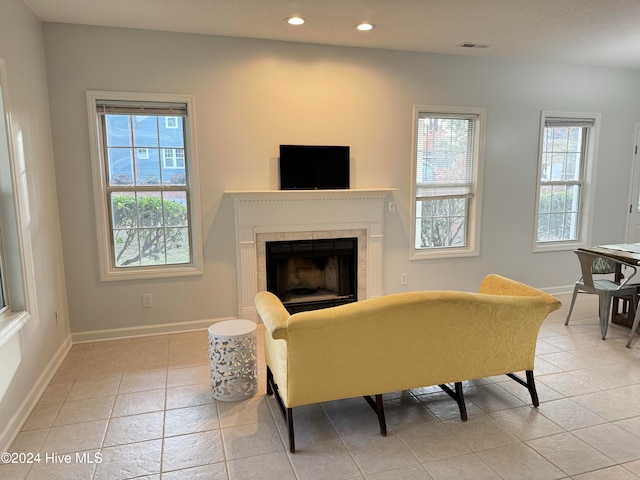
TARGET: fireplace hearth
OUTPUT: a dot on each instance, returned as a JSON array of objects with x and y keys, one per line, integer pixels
[{"x": 312, "y": 274}]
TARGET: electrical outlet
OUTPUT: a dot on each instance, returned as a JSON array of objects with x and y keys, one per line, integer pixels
[
  {"x": 392, "y": 207},
  {"x": 404, "y": 278},
  {"x": 147, "y": 300}
]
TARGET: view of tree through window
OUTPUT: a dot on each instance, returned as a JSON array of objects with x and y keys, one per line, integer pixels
[
  {"x": 561, "y": 179},
  {"x": 147, "y": 187},
  {"x": 446, "y": 152}
]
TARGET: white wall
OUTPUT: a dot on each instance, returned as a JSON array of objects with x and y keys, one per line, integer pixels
[
  {"x": 43, "y": 343},
  {"x": 253, "y": 95}
]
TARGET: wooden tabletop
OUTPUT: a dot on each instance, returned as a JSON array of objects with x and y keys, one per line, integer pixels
[{"x": 626, "y": 252}]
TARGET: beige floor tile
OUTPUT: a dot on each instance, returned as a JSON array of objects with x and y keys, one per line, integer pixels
[
  {"x": 14, "y": 471},
  {"x": 323, "y": 461},
  {"x": 252, "y": 410},
  {"x": 42, "y": 416},
  {"x": 633, "y": 467},
  {"x": 375, "y": 453},
  {"x": 188, "y": 376},
  {"x": 95, "y": 387},
  {"x": 62, "y": 471},
  {"x": 130, "y": 460},
  {"x": 566, "y": 384},
  {"x": 142, "y": 382},
  {"x": 609, "y": 405},
  {"x": 139, "y": 402},
  {"x": 358, "y": 419},
  {"x": 193, "y": 450},
  {"x": 134, "y": 428},
  {"x": 463, "y": 467},
  {"x": 526, "y": 423},
  {"x": 491, "y": 398},
  {"x": 271, "y": 466},
  {"x": 611, "y": 473},
  {"x": 76, "y": 411},
  {"x": 189, "y": 396},
  {"x": 55, "y": 393},
  {"x": 311, "y": 425},
  {"x": 411, "y": 472},
  {"x": 520, "y": 462},
  {"x": 569, "y": 415},
  {"x": 407, "y": 411},
  {"x": 613, "y": 441},
  {"x": 481, "y": 433},
  {"x": 570, "y": 454},
  {"x": 214, "y": 471},
  {"x": 75, "y": 437},
  {"x": 253, "y": 439},
  {"x": 180, "y": 421},
  {"x": 432, "y": 442}
]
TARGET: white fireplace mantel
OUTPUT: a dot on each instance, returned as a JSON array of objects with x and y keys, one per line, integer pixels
[{"x": 304, "y": 214}]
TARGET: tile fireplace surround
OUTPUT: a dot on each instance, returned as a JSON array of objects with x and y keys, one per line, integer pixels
[{"x": 272, "y": 215}]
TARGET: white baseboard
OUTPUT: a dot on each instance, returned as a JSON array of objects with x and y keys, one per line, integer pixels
[
  {"x": 559, "y": 290},
  {"x": 145, "y": 330},
  {"x": 11, "y": 430}
]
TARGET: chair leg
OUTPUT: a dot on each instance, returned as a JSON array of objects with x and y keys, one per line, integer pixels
[
  {"x": 634, "y": 328},
  {"x": 573, "y": 301},
  {"x": 606, "y": 305}
]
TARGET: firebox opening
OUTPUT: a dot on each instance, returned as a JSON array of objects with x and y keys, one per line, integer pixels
[{"x": 312, "y": 274}]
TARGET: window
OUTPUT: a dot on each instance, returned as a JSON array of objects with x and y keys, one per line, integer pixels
[
  {"x": 446, "y": 185},
  {"x": 17, "y": 299},
  {"x": 567, "y": 145},
  {"x": 145, "y": 181}
]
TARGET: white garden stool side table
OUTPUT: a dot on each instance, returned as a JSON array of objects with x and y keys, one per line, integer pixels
[{"x": 232, "y": 353}]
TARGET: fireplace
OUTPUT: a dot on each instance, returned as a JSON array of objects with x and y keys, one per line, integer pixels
[
  {"x": 265, "y": 216},
  {"x": 312, "y": 274}
]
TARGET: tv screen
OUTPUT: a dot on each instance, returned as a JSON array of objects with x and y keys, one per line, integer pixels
[{"x": 312, "y": 167}]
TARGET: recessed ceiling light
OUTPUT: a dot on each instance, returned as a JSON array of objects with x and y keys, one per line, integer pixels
[
  {"x": 294, "y": 20},
  {"x": 365, "y": 27}
]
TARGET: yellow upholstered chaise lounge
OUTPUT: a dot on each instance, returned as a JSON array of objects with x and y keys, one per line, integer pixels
[{"x": 401, "y": 341}]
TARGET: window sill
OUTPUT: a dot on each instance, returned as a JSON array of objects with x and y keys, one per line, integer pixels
[
  {"x": 150, "y": 273},
  {"x": 11, "y": 323},
  {"x": 557, "y": 247},
  {"x": 442, "y": 254}
]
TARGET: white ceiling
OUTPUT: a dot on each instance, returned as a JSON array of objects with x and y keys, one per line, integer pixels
[{"x": 587, "y": 32}]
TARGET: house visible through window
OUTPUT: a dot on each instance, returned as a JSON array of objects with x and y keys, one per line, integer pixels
[
  {"x": 447, "y": 157},
  {"x": 147, "y": 201},
  {"x": 566, "y": 144}
]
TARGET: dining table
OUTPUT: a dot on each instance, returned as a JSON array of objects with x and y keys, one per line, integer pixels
[{"x": 628, "y": 254}]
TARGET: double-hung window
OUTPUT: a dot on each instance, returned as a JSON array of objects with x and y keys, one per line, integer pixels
[
  {"x": 145, "y": 181},
  {"x": 446, "y": 182},
  {"x": 567, "y": 147}
]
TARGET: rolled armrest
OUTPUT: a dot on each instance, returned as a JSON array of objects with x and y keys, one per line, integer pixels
[{"x": 273, "y": 314}]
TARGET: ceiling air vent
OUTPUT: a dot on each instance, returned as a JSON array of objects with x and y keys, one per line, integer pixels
[{"x": 474, "y": 45}]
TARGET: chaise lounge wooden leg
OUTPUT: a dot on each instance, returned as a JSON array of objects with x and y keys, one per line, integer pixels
[
  {"x": 458, "y": 396},
  {"x": 530, "y": 384},
  {"x": 378, "y": 407}
]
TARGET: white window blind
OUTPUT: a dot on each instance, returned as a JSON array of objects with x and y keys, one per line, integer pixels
[{"x": 445, "y": 152}]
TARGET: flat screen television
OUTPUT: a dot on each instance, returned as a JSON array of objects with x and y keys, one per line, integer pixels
[{"x": 314, "y": 167}]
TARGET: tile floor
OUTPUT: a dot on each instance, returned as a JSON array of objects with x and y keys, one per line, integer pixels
[{"x": 142, "y": 406}]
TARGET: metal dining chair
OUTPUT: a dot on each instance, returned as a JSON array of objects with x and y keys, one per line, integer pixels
[{"x": 592, "y": 264}]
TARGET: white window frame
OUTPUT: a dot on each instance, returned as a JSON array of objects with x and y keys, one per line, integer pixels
[
  {"x": 472, "y": 248},
  {"x": 16, "y": 237},
  {"x": 108, "y": 270},
  {"x": 587, "y": 193}
]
